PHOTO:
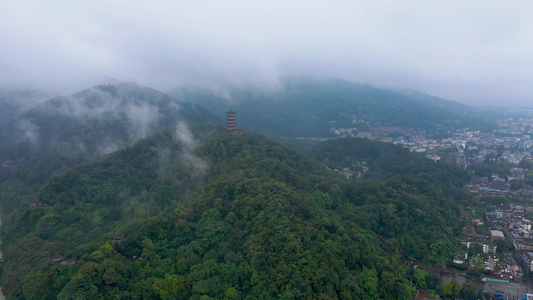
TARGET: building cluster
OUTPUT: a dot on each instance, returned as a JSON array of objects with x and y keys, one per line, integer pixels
[
  {"x": 516, "y": 226},
  {"x": 354, "y": 173},
  {"x": 479, "y": 251},
  {"x": 497, "y": 186},
  {"x": 500, "y": 267},
  {"x": 59, "y": 260},
  {"x": 470, "y": 146},
  {"x": 507, "y": 224},
  {"x": 514, "y": 126}
]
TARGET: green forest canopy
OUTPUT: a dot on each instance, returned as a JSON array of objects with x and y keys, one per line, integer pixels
[{"x": 240, "y": 216}]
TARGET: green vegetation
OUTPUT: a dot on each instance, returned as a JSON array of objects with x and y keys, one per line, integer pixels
[
  {"x": 385, "y": 160},
  {"x": 63, "y": 132},
  {"x": 501, "y": 168},
  {"x": 237, "y": 217},
  {"x": 310, "y": 108}
]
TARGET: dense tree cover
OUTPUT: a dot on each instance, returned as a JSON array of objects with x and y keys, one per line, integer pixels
[
  {"x": 385, "y": 159},
  {"x": 500, "y": 168},
  {"x": 237, "y": 217}
]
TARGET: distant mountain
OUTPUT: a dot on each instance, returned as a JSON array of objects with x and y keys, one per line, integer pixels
[
  {"x": 65, "y": 131},
  {"x": 15, "y": 102},
  {"x": 434, "y": 101},
  {"x": 104, "y": 118},
  {"x": 310, "y": 108}
]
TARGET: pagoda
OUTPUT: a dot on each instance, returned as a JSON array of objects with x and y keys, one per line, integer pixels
[{"x": 231, "y": 122}]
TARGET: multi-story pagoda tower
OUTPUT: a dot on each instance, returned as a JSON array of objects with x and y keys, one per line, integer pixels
[{"x": 231, "y": 121}]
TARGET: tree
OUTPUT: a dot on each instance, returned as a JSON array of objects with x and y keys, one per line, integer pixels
[
  {"x": 369, "y": 282},
  {"x": 420, "y": 279},
  {"x": 433, "y": 280},
  {"x": 169, "y": 287},
  {"x": 489, "y": 158},
  {"x": 475, "y": 249},
  {"x": 83, "y": 285},
  {"x": 468, "y": 291},
  {"x": 478, "y": 262},
  {"x": 231, "y": 294},
  {"x": 497, "y": 268},
  {"x": 504, "y": 245},
  {"x": 451, "y": 289},
  {"x": 525, "y": 164},
  {"x": 516, "y": 186}
]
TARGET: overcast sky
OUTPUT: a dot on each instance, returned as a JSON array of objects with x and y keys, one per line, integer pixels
[{"x": 476, "y": 52}]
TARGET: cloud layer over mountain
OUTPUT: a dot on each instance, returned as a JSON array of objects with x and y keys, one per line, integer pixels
[{"x": 474, "y": 52}]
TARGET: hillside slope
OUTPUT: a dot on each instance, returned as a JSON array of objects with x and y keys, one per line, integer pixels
[
  {"x": 433, "y": 101},
  {"x": 184, "y": 215},
  {"x": 13, "y": 103},
  {"x": 386, "y": 159},
  {"x": 310, "y": 108},
  {"x": 103, "y": 119},
  {"x": 65, "y": 131}
]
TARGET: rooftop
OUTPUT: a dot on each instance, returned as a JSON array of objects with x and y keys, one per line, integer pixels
[{"x": 497, "y": 234}]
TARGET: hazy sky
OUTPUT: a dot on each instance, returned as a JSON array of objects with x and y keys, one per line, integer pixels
[{"x": 470, "y": 51}]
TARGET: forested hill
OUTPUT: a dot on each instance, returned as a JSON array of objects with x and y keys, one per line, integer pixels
[
  {"x": 101, "y": 119},
  {"x": 385, "y": 159},
  {"x": 433, "y": 101},
  {"x": 206, "y": 215},
  {"x": 65, "y": 131},
  {"x": 310, "y": 108}
]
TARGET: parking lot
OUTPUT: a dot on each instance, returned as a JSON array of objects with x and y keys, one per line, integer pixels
[{"x": 512, "y": 290}]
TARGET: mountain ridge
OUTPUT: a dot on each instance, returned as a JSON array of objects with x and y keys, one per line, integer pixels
[
  {"x": 66, "y": 131},
  {"x": 304, "y": 107}
]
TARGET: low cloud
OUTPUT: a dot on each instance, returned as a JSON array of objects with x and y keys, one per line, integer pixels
[
  {"x": 111, "y": 102},
  {"x": 29, "y": 131},
  {"x": 108, "y": 147},
  {"x": 142, "y": 119},
  {"x": 185, "y": 136},
  {"x": 473, "y": 52},
  {"x": 185, "y": 157},
  {"x": 96, "y": 121}
]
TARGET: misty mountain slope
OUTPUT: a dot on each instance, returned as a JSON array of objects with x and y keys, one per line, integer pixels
[
  {"x": 15, "y": 102},
  {"x": 66, "y": 131},
  {"x": 185, "y": 215},
  {"x": 434, "y": 101},
  {"x": 97, "y": 121},
  {"x": 305, "y": 107},
  {"x": 119, "y": 112}
]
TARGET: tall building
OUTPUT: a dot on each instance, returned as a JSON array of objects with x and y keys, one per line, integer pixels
[{"x": 231, "y": 121}]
